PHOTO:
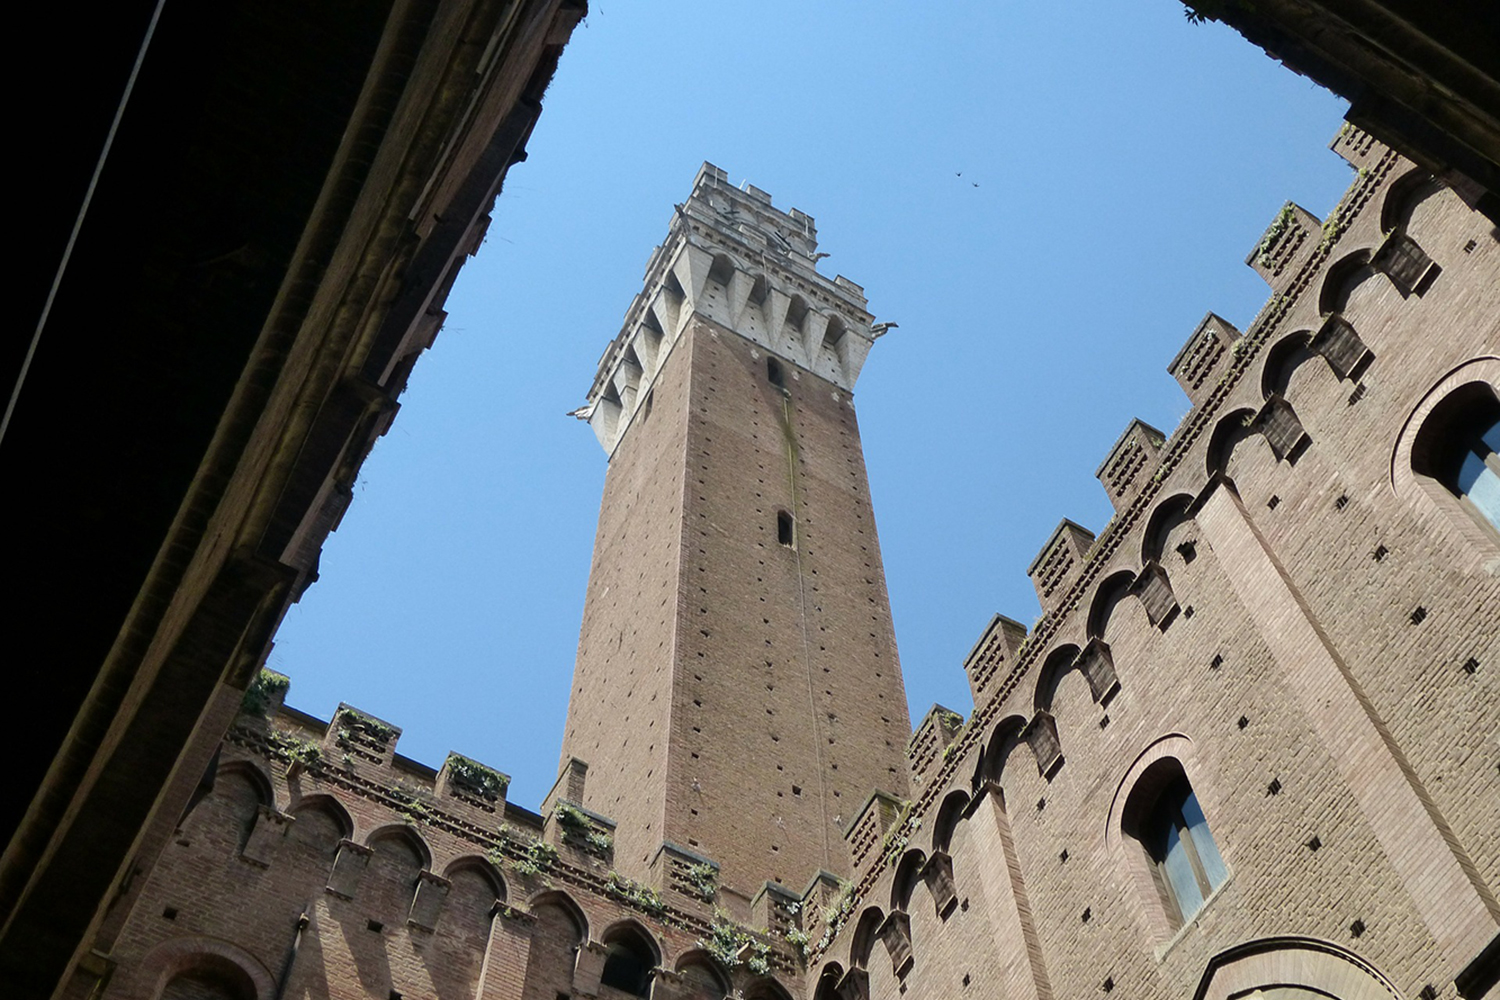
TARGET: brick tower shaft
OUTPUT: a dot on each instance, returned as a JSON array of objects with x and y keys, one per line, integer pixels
[{"x": 737, "y": 691}]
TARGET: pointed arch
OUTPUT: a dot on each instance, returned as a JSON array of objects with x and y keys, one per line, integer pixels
[
  {"x": 563, "y": 903},
  {"x": 1341, "y": 278},
  {"x": 1402, "y": 197},
  {"x": 829, "y": 978},
  {"x": 722, "y": 269},
  {"x": 628, "y": 926},
  {"x": 329, "y": 806},
  {"x": 481, "y": 866},
  {"x": 796, "y": 311},
  {"x": 1004, "y": 739},
  {"x": 1058, "y": 662},
  {"x": 631, "y": 953},
  {"x": 866, "y": 931},
  {"x": 766, "y": 988},
  {"x": 698, "y": 966},
  {"x": 949, "y": 815},
  {"x": 1282, "y": 359},
  {"x": 406, "y": 835},
  {"x": 252, "y": 774},
  {"x": 908, "y": 874},
  {"x": 1231, "y": 429},
  {"x": 1110, "y": 592},
  {"x": 1165, "y": 516}
]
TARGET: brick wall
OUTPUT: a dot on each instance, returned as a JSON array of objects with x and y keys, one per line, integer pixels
[
  {"x": 1327, "y": 681},
  {"x": 1285, "y": 613}
]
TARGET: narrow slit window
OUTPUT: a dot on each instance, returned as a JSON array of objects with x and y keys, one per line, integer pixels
[
  {"x": 786, "y": 529},
  {"x": 773, "y": 372}
]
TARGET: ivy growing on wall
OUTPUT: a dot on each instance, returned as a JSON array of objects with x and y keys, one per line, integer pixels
[
  {"x": 732, "y": 944},
  {"x": 631, "y": 891},
  {"x": 475, "y": 777},
  {"x": 538, "y": 857},
  {"x": 704, "y": 878},
  {"x": 351, "y": 719},
  {"x": 268, "y": 684},
  {"x": 836, "y": 912},
  {"x": 1282, "y": 223}
]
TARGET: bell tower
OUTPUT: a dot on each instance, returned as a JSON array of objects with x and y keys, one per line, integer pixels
[{"x": 737, "y": 690}]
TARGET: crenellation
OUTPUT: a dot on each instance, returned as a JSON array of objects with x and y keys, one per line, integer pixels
[
  {"x": 1247, "y": 748},
  {"x": 1130, "y": 462},
  {"x": 1286, "y": 245},
  {"x": 733, "y": 258},
  {"x": 1203, "y": 358},
  {"x": 934, "y": 734},
  {"x": 1059, "y": 561},
  {"x": 1357, "y": 147},
  {"x": 876, "y": 817},
  {"x": 1253, "y": 444},
  {"x": 993, "y": 655}
]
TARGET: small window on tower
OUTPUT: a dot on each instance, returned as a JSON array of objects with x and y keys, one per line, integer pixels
[
  {"x": 773, "y": 372},
  {"x": 786, "y": 529}
]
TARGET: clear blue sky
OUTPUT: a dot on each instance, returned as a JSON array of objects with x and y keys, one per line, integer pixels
[{"x": 1117, "y": 166}]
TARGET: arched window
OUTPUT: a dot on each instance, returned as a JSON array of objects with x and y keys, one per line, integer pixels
[
  {"x": 1458, "y": 446},
  {"x": 1164, "y": 817},
  {"x": 1184, "y": 857},
  {"x": 628, "y": 962},
  {"x": 209, "y": 977}
]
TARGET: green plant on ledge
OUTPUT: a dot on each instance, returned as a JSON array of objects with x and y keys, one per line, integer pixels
[
  {"x": 631, "y": 891},
  {"x": 570, "y": 817},
  {"x": 577, "y": 828},
  {"x": 472, "y": 776},
  {"x": 798, "y": 939},
  {"x": 1281, "y": 225},
  {"x": 413, "y": 809},
  {"x": 732, "y": 944},
  {"x": 299, "y": 751},
  {"x": 538, "y": 857},
  {"x": 704, "y": 878},
  {"x": 897, "y": 837},
  {"x": 263, "y": 691},
  {"x": 351, "y": 719},
  {"x": 599, "y": 841},
  {"x": 836, "y": 912}
]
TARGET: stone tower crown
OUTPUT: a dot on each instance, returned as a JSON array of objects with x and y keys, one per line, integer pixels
[{"x": 732, "y": 257}]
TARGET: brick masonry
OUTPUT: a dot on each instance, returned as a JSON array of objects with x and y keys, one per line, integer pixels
[{"x": 1284, "y": 611}]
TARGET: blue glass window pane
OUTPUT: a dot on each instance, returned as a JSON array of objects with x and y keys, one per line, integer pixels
[
  {"x": 1180, "y": 875},
  {"x": 1479, "y": 482},
  {"x": 1203, "y": 841},
  {"x": 1491, "y": 437}
]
